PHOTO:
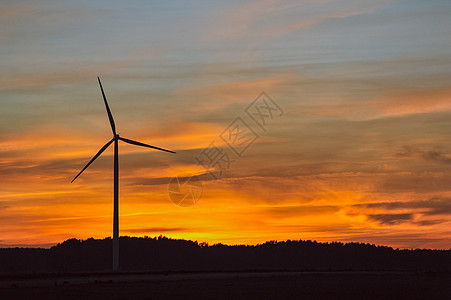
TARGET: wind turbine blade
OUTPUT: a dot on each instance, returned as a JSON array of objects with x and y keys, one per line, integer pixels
[
  {"x": 94, "y": 158},
  {"x": 143, "y": 145},
  {"x": 110, "y": 116}
]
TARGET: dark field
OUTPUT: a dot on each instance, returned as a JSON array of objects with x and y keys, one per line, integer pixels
[
  {"x": 163, "y": 268},
  {"x": 232, "y": 285}
]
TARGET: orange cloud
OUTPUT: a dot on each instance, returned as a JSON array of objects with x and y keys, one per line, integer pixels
[{"x": 407, "y": 103}]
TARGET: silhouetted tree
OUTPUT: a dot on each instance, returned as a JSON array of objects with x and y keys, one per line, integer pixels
[{"x": 166, "y": 254}]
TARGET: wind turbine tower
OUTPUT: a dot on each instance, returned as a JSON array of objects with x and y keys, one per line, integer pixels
[{"x": 115, "y": 139}]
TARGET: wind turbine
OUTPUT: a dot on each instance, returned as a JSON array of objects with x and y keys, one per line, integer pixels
[{"x": 115, "y": 139}]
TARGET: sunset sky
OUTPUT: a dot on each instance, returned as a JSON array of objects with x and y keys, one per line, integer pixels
[{"x": 362, "y": 151}]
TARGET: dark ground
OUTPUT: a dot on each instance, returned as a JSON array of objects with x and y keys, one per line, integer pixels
[
  {"x": 163, "y": 268},
  {"x": 230, "y": 285}
]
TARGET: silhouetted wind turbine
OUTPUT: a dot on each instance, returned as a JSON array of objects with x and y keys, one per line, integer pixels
[{"x": 115, "y": 139}]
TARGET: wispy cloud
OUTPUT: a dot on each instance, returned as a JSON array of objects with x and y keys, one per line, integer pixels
[
  {"x": 154, "y": 230},
  {"x": 390, "y": 219},
  {"x": 420, "y": 212},
  {"x": 433, "y": 206},
  {"x": 250, "y": 20},
  {"x": 431, "y": 155}
]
